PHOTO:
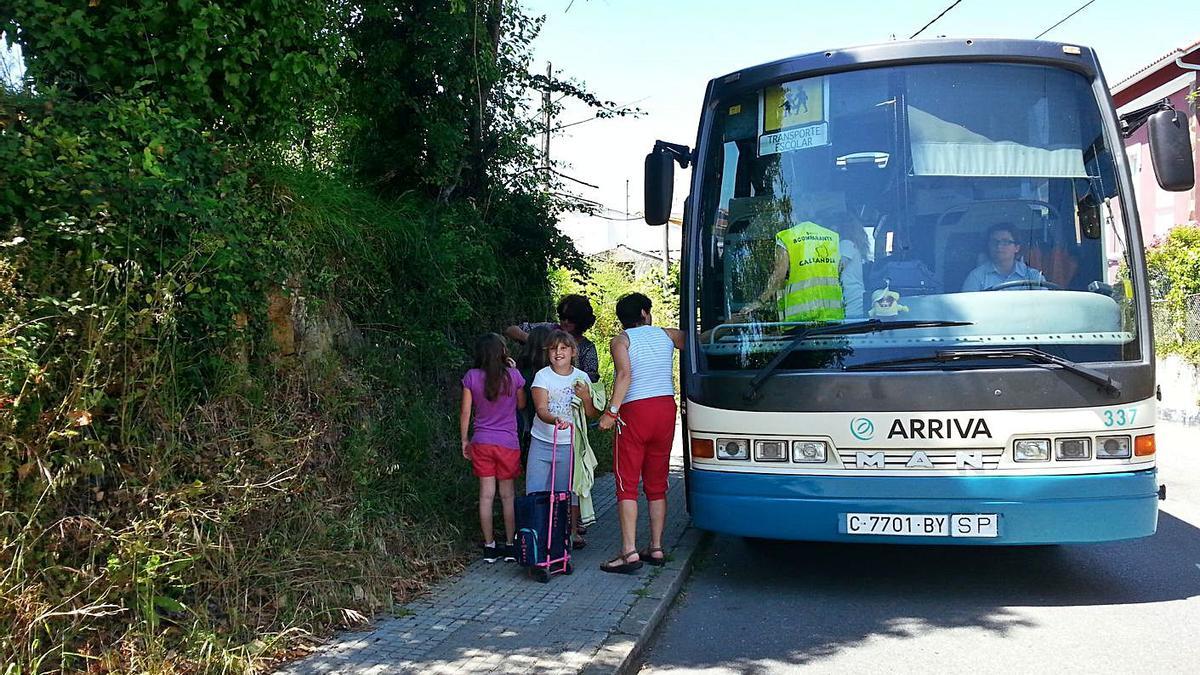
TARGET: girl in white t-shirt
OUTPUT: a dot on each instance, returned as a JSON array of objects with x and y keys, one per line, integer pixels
[{"x": 554, "y": 389}]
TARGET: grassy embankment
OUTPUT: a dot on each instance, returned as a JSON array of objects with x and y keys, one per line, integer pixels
[{"x": 219, "y": 437}]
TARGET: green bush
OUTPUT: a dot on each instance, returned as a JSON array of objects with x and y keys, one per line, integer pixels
[{"x": 1173, "y": 265}]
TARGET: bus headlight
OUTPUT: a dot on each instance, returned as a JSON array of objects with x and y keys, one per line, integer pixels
[
  {"x": 810, "y": 451},
  {"x": 770, "y": 451},
  {"x": 733, "y": 448},
  {"x": 1112, "y": 447},
  {"x": 1072, "y": 448},
  {"x": 1031, "y": 450}
]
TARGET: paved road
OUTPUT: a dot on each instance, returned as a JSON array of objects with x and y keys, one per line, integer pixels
[{"x": 1128, "y": 607}]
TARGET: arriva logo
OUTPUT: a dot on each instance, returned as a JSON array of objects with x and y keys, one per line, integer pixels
[{"x": 862, "y": 428}]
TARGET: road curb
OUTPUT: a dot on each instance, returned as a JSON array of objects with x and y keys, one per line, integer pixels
[{"x": 620, "y": 650}]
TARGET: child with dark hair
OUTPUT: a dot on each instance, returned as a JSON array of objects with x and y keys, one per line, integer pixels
[
  {"x": 533, "y": 355},
  {"x": 575, "y": 316},
  {"x": 493, "y": 390},
  {"x": 532, "y": 359}
]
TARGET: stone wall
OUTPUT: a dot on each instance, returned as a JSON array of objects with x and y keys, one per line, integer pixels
[{"x": 1180, "y": 383}]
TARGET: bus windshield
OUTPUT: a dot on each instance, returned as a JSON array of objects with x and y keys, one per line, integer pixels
[{"x": 983, "y": 194}]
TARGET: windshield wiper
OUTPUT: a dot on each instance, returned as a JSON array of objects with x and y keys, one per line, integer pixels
[
  {"x": 824, "y": 330},
  {"x": 946, "y": 355}
]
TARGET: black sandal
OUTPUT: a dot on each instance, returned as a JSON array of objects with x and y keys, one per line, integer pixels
[
  {"x": 578, "y": 543},
  {"x": 625, "y": 567},
  {"x": 647, "y": 554}
]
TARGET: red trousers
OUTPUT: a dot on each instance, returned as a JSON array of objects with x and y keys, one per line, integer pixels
[{"x": 643, "y": 447}]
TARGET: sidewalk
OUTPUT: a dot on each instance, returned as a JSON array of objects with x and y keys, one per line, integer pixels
[{"x": 495, "y": 619}]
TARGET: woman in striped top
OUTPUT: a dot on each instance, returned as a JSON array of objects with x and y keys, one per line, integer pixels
[{"x": 643, "y": 409}]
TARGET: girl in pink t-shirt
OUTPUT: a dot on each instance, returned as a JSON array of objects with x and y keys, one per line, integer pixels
[{"x": 493, "y": 391}]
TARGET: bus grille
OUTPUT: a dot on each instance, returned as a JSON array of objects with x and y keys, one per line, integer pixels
[{"x": 939, "y": 458}]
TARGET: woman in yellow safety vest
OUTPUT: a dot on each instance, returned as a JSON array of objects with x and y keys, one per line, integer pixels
[{"x": 806, "y": 256}]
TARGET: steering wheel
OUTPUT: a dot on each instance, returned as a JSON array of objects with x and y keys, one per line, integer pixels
[{"x": 1025, "y": 283}]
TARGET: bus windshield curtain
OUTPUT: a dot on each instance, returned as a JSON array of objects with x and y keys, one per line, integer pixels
[
  {"x": 941, "y": 148},
  {"x": 1017, "y": 121}
]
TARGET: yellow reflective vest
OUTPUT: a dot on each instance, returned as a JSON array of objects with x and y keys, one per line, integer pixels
[{"x": 812, "y": 291}]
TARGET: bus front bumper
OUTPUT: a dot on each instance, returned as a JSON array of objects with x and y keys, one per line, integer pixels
[{"x": 1031, "y": 509}]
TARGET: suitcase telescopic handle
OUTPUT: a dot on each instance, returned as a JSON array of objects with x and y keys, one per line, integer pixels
[{"x": 553, "y": 480}]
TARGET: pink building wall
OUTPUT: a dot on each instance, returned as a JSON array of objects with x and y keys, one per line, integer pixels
[{"x": 1159, "y": 210}]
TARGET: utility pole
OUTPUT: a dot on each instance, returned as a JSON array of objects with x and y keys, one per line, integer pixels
[
  {"x": 625, "y": 226},
  {"x": 546, "y": 119},
  {"x": 666, "y": 253},
  {"x": 666, "y": 283}
]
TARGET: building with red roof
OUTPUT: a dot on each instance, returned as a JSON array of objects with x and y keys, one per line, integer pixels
[{"x": 1175, "y": 77}]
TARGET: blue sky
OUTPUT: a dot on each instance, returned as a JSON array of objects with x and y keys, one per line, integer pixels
[
  {"x": 11, "y": 67},
  {"x": 661, "y": 53}
]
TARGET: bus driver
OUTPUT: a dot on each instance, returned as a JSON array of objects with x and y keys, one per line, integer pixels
[{"x": 1003, "y": 265}]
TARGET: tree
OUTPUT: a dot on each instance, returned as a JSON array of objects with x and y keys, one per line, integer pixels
[{"x": 243, "y": 67}]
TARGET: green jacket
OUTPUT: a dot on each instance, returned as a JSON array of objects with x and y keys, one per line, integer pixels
[{"x": 585, "y": 457}]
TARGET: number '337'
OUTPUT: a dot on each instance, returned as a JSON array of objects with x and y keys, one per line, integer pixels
[{"x": 1120, "y": 417}]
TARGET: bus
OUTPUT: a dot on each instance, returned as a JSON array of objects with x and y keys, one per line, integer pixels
[{"x": 917, "y": 306}]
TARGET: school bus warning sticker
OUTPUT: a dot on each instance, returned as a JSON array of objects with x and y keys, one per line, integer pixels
[
  {"x": 795, "y": 116},
  {"x": 810, "y": 136}
]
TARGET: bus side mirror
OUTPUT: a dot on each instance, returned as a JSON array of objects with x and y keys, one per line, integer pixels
[
  {"x": 660, "y": 183},
  {"x": 1171, "y": 151}
]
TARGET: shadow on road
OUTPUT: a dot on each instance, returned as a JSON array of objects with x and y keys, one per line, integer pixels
[{"x": 797, "y": 603}]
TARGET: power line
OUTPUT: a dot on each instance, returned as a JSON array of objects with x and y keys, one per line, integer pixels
[
  {"x": 619, "y": 220},
  {"x": 618, "y": 109},
  {"x": 572, "y": 178},
  {"x": 934, "y": 20},
  {"x": 602, "y": 208},
  {"x": 1064, "y": 19}
]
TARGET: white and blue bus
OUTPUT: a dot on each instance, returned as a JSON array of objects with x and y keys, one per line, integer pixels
[{"x": 958, "y": 394}]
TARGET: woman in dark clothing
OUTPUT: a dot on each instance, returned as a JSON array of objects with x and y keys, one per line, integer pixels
[{"x": 575, "y": 316}]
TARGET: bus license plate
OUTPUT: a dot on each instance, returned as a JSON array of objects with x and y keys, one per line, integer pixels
[{"x": 923, "y": 525}]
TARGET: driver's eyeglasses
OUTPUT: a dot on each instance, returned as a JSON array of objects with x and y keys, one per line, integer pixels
[{"x": 1002, "y": 242}]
